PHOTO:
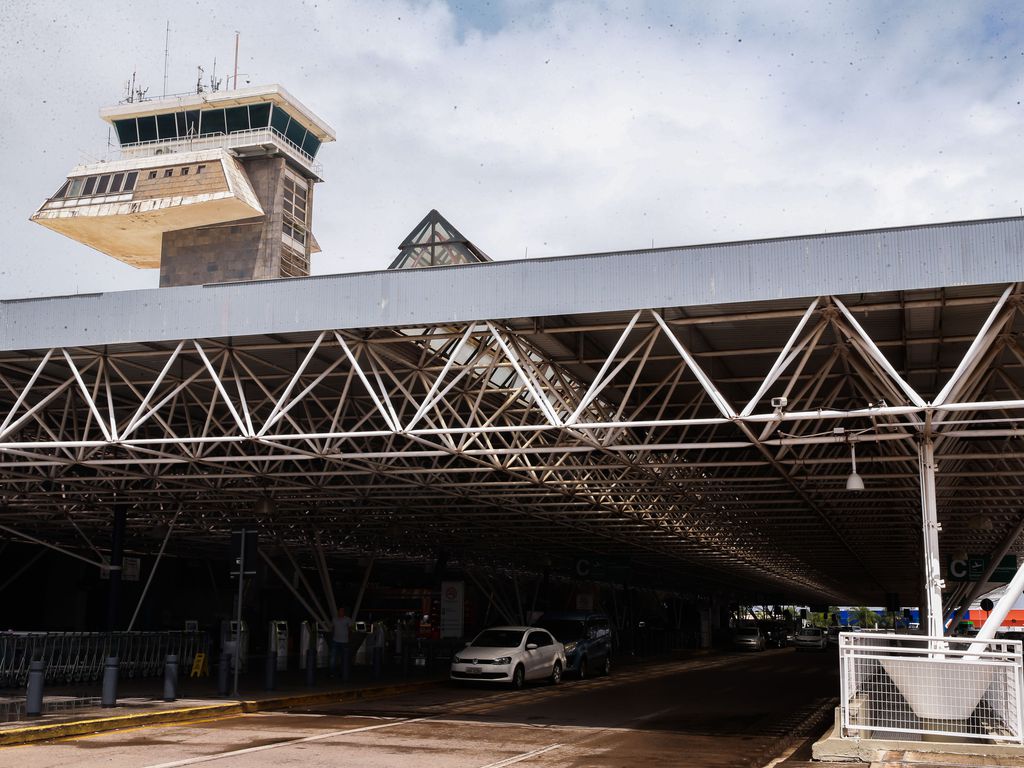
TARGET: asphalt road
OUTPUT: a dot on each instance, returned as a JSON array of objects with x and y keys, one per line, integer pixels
[{"x": 734, "y": 710}]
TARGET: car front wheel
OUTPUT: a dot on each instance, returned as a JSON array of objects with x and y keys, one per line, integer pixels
[
  {"x": 518, "y": 677},
  {"x": 556, "y": 673}
]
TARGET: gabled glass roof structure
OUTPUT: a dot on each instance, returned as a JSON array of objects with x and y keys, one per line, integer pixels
[{"x": 434, "y": 242}]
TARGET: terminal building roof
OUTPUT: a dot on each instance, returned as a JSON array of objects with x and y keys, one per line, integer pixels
[
  {"x": 686, "y": 413},
  {"x": 937, "y": 256}
]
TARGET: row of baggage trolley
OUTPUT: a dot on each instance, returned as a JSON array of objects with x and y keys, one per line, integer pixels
[{"x": 76, "y": 657}]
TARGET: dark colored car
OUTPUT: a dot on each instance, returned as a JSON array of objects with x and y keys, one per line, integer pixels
[
  {"x": 587, "y": 637},
  {"x": 774, "y": 633},
  {"x": 749, "y": 637}
]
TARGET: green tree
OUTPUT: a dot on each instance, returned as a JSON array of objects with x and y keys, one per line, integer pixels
[{"x": 864, "y": 617}]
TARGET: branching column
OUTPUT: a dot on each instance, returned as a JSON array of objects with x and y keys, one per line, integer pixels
[{"x": 930, "y": 528}]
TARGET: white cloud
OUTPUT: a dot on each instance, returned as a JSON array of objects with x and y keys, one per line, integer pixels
[{"x": 558, "y": 127}]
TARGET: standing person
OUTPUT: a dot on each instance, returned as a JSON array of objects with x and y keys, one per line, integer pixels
[
  {"x": 377, "y": 638},
  {"x": 339, "y": 646}
]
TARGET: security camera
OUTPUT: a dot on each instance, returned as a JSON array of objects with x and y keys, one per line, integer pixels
[{"x": 779, "y": 402}]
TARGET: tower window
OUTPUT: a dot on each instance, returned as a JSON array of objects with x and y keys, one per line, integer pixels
[
  {"x": 293, "y": 263},
  {"x": 168, "y": 173},
  {"x": 188, "y": 123},
  {"x": 165, "y": 126},
  {"x": 152, "y": 175},
  {"x": 294, "y": 204},
  {"x": 127, "y": 131},
  {"x": 147, "y": 128},
  {"x": 259, "y": 115},
  {"x": 90, "y": 186},
  {"x": 129, "y": 181},
  {"x": 200, "y": 168},
  {"x": 211, "y": 121},
  {"x": 237, "y": 119},
  {"x": 184, "y": 171},
  {"x": 101, "y": 187},
  {"x": 115, "y": 184}
]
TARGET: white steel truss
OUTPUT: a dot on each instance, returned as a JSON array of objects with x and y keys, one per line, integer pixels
[{"x": 647, "y": 438}]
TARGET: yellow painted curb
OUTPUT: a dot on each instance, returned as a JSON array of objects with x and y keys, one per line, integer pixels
[
  {"x": 48, "y": 731},
  {"x": 31, "y": 733}
]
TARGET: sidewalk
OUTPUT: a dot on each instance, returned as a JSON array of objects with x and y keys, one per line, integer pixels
[{"x": 75, "y": 709}]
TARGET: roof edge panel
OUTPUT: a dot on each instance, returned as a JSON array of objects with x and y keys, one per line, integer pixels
[{"x": 981, "y": 252}]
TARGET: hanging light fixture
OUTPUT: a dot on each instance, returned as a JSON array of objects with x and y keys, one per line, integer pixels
[{"x": 854, "y": 482}]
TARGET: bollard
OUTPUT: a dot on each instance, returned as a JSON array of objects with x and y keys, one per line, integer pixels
[
  {"x": 34, "y": 695},
  {"x": 270, "y": 672},
  {"x": 110, "y": 670},
  {"x": 310, "y": 667},
  {"x": 171, "y": 677},
  {"x": 222, "y": 674}
]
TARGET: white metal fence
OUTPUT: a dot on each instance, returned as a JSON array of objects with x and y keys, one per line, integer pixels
[
  {"x": 892, "y": 685},
  {"x": 248, "y": 137}
]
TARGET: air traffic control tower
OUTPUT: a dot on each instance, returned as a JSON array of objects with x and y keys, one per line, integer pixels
[{"x": 208, "y": 187}]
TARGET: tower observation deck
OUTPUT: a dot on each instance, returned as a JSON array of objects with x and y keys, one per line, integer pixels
[{"x": 207, "y": 187}]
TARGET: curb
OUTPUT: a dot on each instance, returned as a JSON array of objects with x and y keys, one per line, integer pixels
[
  {"x": 32, "y": 733},
  {"x": 812, "y": 721}
]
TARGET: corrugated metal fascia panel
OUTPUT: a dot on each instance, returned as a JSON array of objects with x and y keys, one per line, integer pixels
[{"x": 969, "y": 253}]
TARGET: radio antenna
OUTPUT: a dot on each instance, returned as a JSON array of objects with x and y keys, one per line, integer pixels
[
  {"x": 129, "y": 89},
  {"x": 237, "y": 35},
  {"x": 167, "y": 49}
]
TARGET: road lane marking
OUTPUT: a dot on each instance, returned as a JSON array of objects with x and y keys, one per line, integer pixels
[
  {"x": 520, "y": 758},
  {"x": 539, "y": 726},
  {"x": 288, "y": 743},
  {"x": 784, "y": 756},
  {"x": 652, "y": 715}
]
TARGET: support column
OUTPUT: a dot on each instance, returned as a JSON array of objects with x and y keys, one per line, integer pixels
[
  {"x": 116, "y": 563},
  {"x": 930, "y": 552}
]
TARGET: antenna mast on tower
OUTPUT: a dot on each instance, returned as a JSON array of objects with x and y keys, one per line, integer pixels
[
  {"x": 167, "y": 48},
  {"x": 237, "y": 34}
]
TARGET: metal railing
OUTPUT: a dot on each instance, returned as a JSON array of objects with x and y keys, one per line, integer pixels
[
  {"x": 891, "y": 685},
  {"x": 74, "y": 657},
  {"x": 246, "y": 138}
]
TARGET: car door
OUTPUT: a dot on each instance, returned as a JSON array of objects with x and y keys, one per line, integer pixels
[
  {"x": 599, "y": 632},
  {"x": 535, "y": 657},
  {"x": 546, "y": 659}
]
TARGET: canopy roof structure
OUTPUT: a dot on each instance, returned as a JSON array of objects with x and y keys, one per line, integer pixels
[{"x": 684, "y": 414}]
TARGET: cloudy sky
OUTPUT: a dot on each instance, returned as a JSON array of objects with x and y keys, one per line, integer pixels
[{"x": 545, "y": 128}]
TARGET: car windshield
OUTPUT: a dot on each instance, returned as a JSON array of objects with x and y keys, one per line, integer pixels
[
  {"x": 564, "y": 630},
  {"x": 498, "y": 638},
  {"x": 810, "y": 632},
  {"x": 746, "y": 631}
]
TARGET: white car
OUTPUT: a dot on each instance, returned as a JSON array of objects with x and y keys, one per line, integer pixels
[
  {"x": 811, "y": 639},
  {"x": 510, "y": 655}
]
